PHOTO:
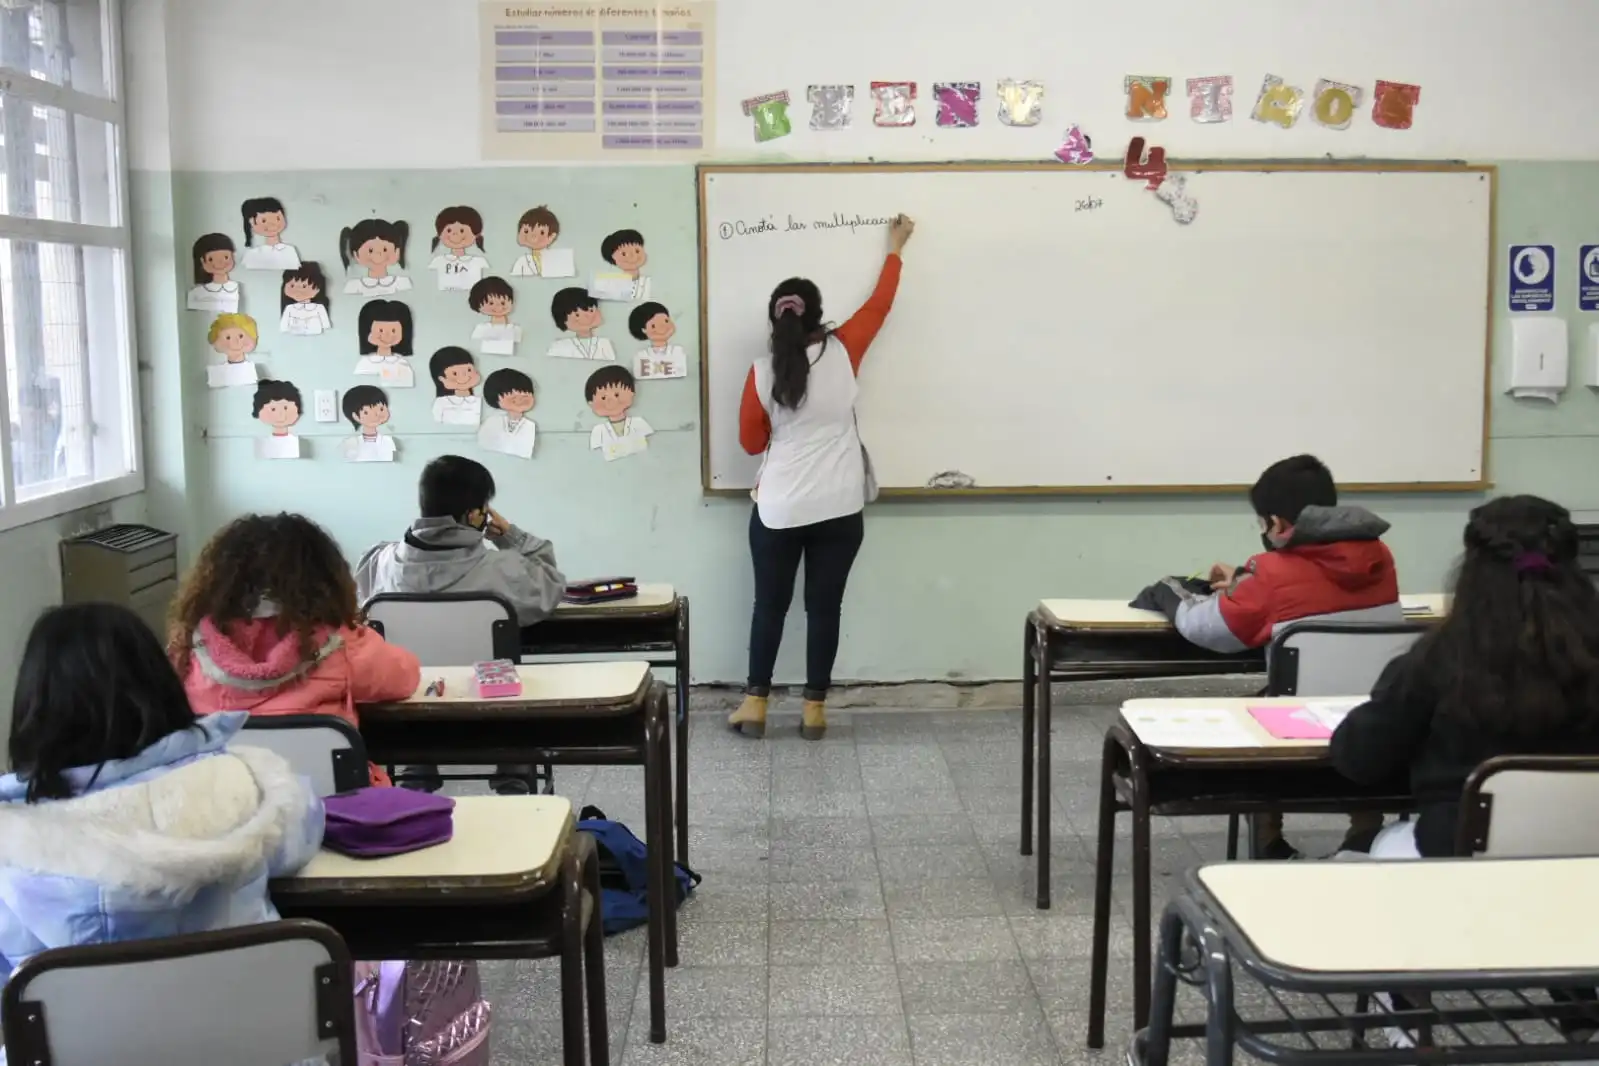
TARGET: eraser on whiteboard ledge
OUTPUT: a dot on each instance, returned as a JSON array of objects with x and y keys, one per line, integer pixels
[{"x": 497, "y": 679}]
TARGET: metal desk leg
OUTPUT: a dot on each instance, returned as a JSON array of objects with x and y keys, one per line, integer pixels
[
  {"x": 668, "y": 867},
  {"x": 655, "y": 843},
  {"x": 1104, "y": 860},
  {"x": 594, "y": 966},
  {"x": 572, "y": 1051},
  {"x": 1043, "y": 649},
  {"x": 1138, "y": 777},
  {"x": 680, "y": 754},
  {"x": 1157, "y": 1043},
  {"x": 1028, "y": 696}
]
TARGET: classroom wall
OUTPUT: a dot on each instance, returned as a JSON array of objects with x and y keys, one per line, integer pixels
[{"x": 369, "y": 106}]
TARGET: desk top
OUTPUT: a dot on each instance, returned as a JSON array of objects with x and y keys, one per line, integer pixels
[
  {"x": 1431, "y": 916},
  {"x": 601, "y": 687},
  {"x": 1116, "y": 615},
  {"x": 651, "y": 599},
  {"x": 1236, "y": 724},
  {"x": 505, "y": 844}
]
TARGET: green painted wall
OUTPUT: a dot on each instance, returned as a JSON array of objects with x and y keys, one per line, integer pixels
[{"x": 940, "y": 589}]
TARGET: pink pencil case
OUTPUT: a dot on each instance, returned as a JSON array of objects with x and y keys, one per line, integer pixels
[{"x": 497, "y": 679}]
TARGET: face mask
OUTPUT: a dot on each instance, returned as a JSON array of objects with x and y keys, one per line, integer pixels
[{"x": 1266, "y": 541}]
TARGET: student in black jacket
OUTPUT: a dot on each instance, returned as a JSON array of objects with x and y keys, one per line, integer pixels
[{"x": 1513, "y": 669}]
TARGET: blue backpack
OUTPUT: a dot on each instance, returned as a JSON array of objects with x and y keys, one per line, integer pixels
[{"x": 624, "y": 872}]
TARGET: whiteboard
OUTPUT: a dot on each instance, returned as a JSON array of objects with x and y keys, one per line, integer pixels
[{"x": 1057, "y": 329}]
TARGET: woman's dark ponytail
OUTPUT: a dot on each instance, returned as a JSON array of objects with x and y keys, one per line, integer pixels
[{"x": 795, "y": 310}]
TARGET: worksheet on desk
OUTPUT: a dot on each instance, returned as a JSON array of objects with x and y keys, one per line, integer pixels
[{"x": 1190, "y": 728}]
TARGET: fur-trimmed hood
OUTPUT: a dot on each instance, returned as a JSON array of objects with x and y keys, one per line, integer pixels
[{"x": 182, "y": 815}]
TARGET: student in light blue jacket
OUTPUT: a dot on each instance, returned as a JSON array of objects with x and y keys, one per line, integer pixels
[{"x": 125, "y": 816}]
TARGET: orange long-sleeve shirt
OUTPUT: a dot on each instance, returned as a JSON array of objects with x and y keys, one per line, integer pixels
[{"x": 856, "y": 335}]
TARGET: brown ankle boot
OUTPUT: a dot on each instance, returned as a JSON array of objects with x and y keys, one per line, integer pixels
[
  {"x": 750, "y": 718},
  {"x": 813, "y": 720}
]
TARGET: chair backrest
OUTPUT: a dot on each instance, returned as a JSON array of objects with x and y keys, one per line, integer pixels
[
  {"x": 447, "y": 628},
  {"x": 1330, "y": 658},
  {"x": 258, "y": 995},
  {"x": 325, "y": 749},
  {"x": 1531, "y": 806}
]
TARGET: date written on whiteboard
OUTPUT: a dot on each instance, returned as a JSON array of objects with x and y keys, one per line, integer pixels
[
  {"x": 1093, "y": 203},
  {"x": 764, "y": 226}
]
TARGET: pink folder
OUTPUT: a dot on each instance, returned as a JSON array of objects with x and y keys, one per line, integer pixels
[{"x": 1284, "y": 723}]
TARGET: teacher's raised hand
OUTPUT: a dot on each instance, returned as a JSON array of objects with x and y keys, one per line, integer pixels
[{"x": 899, "y": 231}]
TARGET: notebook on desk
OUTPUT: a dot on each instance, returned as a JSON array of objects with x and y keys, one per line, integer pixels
[
  {"x": 1314, "y": 720},
  {"x": 601, "y": 590}
]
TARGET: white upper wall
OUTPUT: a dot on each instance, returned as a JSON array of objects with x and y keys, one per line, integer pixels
[{"x": 362, "y": 84}]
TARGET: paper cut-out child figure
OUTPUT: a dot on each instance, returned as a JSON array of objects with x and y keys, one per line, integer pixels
[
  {"x": 385, "y": 327},
  {"x": 264, "y": 217},
  {"x": 624, "y": 250},
  {"x": 492, "y": 298},
  {"x": 367, "y": 408},
  {"x": 537, "y": 231},
  {"x": 610, "y": 392},
  {"x": 375, "y": 245},
  {"x": 233, "y": 337},
  {"x": 454, "y": 377},
  {"x": 579, "y": 313},
  {"x": 459, "y": 229},
  {"x": 508, "y": 429},
  {"x": 214, "y": 288},
  {"x": 305, "y": 302},
  {"x": 662, "y": 359},
  {"x": 277, "y": 406}
]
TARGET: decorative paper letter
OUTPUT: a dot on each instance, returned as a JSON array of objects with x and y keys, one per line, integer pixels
[
  {"x": 830, "y": 106},
  {"x": 1151, "y": 170},
  {"x": 770, "y": 113},
  {"x": 896, "y": 103},
  {"x": 1336, "y": 104},
  {"x": 1076, "y": 147},
  {"x": 1210, "y": 99},
  {"x": 957, "y": 102},
  {"x": 1021, "y": 103},
  {"x": 1278, "y": 102},
  {"x": 1394, "y": 103},
  {"x": 1146, "y": 97}
]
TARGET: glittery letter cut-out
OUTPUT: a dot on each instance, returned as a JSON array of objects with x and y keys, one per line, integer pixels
[
  {"x": 830, "y": 106},
  {"x": 1174, "y": 193},
  {"x": 770, "y": 113},
  {"x": 1149, "y": 168},
  {"x": 1146, "y": 97},
  {"x": 1021, "y": 103},
  {"x": 957, "y": 102},
  {"x": 895, "y": 102},
  {"x": 1335, "y": 104},
  {"x": 1278, "y": 102},
  {"x": 1393, "y": 105},
  {"x": 1076, "y": 147},
  {"x": 1210, "y": 99}
]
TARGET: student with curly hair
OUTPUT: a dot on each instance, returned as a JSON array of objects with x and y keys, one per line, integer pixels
[{"x": 266, "y": 622}]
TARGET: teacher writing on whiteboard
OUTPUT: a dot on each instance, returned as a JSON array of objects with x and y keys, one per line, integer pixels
[{"x": 799, "y": 409}]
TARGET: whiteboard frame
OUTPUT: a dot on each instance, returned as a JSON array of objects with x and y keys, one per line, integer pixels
[{"x": 1482, "y": 484}]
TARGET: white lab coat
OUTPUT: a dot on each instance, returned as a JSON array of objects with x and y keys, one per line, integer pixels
[
  {"x": 459, "y": 271},
  {"x": 499, "y": 434},
  {"x": 271, "y": 257},
  {"x": 551, "y": 263},
  {"x": 616, "y": 441},
  {"x": 455, "y": 410},
  {"x": 495, "y": 339},
  {"x": 363, "y": 449},
  {"x": 597, "y": 349},
  {"x": 306, "y": 319},
  {"x": 220, "y": 299},
  {"x": 387, "y": 285}
]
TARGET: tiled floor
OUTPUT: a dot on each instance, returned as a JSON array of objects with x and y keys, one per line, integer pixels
[{"x": 864, "y": 902}]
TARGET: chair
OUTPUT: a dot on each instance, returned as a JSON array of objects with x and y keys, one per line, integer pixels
[
  {"x": 1531, "y": 806},
  {"x": 325, "y": 749},
  {"x": 258, "y": 995},
  {"x": 1326, "y": 657},
  {"x": 453, "y": 629}
]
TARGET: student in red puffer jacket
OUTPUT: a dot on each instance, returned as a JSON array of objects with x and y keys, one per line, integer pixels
[
  {"x": 1321, "y": 561},
  {"x": 266, "y": 622}
]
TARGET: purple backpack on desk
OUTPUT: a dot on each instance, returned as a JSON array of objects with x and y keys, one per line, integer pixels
[{"x": 370, "y": 822}]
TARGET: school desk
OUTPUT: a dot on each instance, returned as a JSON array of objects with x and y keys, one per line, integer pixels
[
  {"x": 1474, "y": 944},
  {"x": 1086, "y": 640},
  {"x": 515, "y": 881},
  {"x": 1253, "y": 773},
  {"x": 652, "y": 626},
  {"x": 577, "y": 714}
]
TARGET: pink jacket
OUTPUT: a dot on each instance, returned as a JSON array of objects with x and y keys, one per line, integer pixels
[{"x": 250, "y": 667}]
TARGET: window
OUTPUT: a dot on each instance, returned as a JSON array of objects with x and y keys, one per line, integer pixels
[{"x": 70, "y": 434}]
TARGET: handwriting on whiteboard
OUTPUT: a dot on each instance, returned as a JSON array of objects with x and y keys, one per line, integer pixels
[{"x": 769, "y": 225}]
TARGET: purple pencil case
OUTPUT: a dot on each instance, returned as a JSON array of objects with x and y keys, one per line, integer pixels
[{"x": 370, "y": 822}]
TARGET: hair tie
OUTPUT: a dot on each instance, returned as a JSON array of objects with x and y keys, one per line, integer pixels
[
  {"x": 788, "y": 303},
  {"x": 1531, "y": 563}
]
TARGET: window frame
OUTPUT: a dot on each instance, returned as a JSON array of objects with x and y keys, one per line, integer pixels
[{"x": 112, "y": 110}]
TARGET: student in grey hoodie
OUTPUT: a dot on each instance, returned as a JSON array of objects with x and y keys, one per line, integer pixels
[{"x": 461, "y": 545}]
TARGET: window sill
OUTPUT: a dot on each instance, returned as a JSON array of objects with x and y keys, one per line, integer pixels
[{"x": 41, "y": 508}]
